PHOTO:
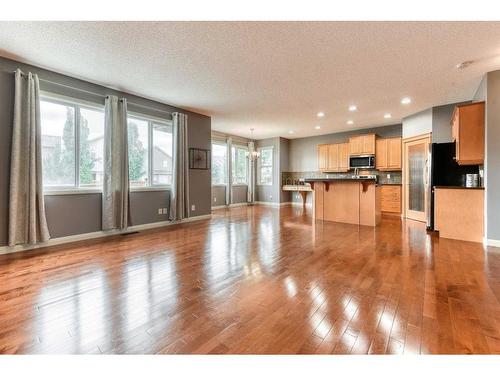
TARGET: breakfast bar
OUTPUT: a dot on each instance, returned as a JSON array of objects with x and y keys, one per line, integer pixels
[{"x": 352, "y": 200}]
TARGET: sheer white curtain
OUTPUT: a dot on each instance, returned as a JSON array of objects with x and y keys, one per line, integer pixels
[
  {"x": 27, "y": 221},
  {"x": 115, "y": 194},
  {"x": 179, "y": 194}
]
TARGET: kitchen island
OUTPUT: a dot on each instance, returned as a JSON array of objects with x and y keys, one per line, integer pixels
[{"x": 352, "y": 199}]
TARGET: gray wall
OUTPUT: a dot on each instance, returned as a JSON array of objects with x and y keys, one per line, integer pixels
[
  {"x": 493, "y": 155},
  {"x": 77, "y": 214},
  {"x": 418, "y": 123},
  {"x": 441, "y": 122},
  {"x": 270, "y": 193},
  {"x": 218, "y": 196},
  {"x": 303, "y": 155}
]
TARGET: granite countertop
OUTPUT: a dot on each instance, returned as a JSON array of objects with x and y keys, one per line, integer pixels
[{"x": 459, "y": 187}]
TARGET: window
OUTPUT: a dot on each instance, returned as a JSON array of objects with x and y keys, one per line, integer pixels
[
  {"x": 149, "y": 152},
  {"x": 72, "y": 144},
  {"x": 219, "y": 164},
  {"x": 239, "y": 165},
  {"x": 265, "y": 166}
]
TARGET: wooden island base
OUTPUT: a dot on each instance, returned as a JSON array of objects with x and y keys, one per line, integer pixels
[{"x": 347, "y": 201}]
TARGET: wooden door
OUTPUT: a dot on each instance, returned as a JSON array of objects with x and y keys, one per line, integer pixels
[
  {"x": 333, "y": 157},
  {"x": 356, "y": 145},
  {"x": 394, "y": 153},
  {"x": 381, "y": 154},
  {"x": 343, "y": 157},
  {"x": 323, "y": 157},
  {"x": 368, "y": 144},
  {"x": 416, "y": 152}
]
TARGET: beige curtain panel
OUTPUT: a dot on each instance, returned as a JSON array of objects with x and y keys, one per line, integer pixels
[
  {"x": 115, "y": 194},
  {"x": 27, "y": 221},
  {"x": 179, "y": 194}
]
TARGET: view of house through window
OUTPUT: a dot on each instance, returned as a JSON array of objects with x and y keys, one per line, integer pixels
[
  {"x": 265, "y": 166},
  {"x": 239, "y": 165},
  {"x": 219, "y": 164},
  {"x": 149, "y": 152},
  {"x": 72, "y": 144}
]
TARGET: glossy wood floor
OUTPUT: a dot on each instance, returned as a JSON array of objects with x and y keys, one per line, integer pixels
[{"x": 255, "y": 280}]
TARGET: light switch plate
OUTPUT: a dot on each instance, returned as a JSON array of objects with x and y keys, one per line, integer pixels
[{"x": 193, "y": 207}]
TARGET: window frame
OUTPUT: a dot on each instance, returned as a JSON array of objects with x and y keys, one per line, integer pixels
[
  {"x": 245, "y": 148},
  {"x": 151, "y": 120},
  {"x": 226, "y": 166},
  {"x": 259, "y": 165},
  {"x": 76, "y": 104}
]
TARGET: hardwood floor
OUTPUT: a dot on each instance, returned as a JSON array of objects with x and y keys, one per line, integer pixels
[{"x": 255, "y": 280}]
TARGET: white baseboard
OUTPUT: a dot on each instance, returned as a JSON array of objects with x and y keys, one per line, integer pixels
[
  {"x": 490, "y": 242},
  {"x": 99, "y": 234},
  {"x": 299, "y": 204},
  {"x": 273, "y": 204},
  {"x": 230, "y": 206}
]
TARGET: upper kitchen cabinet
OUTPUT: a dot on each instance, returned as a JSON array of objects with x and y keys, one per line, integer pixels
[
  {"x": 333, "y": 157},
  {"x": 323, "y": 157},
  {"x": 388, "y": 154},
  {"x": 362, "y": 145},
  {"x": 467, "y": 124}
]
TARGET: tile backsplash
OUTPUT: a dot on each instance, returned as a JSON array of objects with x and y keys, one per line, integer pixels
[{"x": 393, "y": 177}]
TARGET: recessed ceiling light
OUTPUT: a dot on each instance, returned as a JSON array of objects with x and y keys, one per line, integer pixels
[
  {"x": 290, "y": 131},
  {"x": 406, "y": 100},
  {"x": 321, "y": 114},
  {"x": 387, "y": 115},
  {"x": 352, "y": 108},
  {"x": 317, "y": 127},
  {"x": 350, "y": 122}
]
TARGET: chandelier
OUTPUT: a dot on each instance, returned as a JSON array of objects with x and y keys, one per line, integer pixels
[{"x": 252, "y": 153}]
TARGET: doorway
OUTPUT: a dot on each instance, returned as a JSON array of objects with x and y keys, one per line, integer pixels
[{"x": 415, "y": 177}]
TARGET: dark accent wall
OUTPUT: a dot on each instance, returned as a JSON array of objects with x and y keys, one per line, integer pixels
[{"x": 81, "y": 213}]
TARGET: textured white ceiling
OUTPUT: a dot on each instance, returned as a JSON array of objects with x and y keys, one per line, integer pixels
[{"x": 272, "y": 76}]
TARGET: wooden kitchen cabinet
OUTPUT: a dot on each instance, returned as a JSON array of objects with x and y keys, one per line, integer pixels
[
  {"x": 459, "y": 213},
  {"x": 333, "y": 157},
  {"x": 323, "y": 157},
  {"x": 388, "y": 154},
  {"x": 467, "y": 124},
  {"x": 390, "y": 199},
  {"x": 343, "y": 157},
  {"x": 362, "y": 145}
]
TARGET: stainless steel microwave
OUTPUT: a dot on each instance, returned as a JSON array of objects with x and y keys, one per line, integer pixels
[{"x": 362, "y": 162}]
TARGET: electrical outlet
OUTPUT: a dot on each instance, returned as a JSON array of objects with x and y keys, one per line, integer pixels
[
  {"x": 165, "y": 211},
  {"x": 193, "y": 207},
  {"x": 160, "y": 211},
  {"x": 271, "y": 197},
  {"x": 215, "y": 199}
]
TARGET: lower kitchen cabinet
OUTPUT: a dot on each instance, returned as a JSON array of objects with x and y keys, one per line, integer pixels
[
  {"x": 459, "y": 213},
  {"x": 390, "y": 199}
]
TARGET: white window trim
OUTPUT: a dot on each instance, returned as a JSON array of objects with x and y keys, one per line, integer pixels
[
  {"x": 245, "y": 148},
  {"x": 77, "y": 105},
  {"x": 157, "y": 121},
  {"x": 219, "y": 143},
  {"x": 259, "y": 150}
]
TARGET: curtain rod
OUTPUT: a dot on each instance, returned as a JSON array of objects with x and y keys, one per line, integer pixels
[{"x": 96, "y": 94}]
